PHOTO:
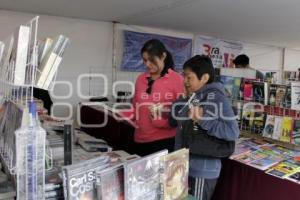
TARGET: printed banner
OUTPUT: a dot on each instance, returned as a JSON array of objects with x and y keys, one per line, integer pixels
[
  {"x": 181, "y": 50},
  {"x": 221, "y": 52}
]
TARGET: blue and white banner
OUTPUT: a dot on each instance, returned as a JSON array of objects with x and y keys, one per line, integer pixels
[{"x": 181, "y": 50}]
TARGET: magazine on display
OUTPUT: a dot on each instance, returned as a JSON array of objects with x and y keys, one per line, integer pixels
[
  {"x": 110, "y": 183},
  {"x": 175, "y": 175},
  {"x": 142, "y": 177},
  {"x": 79, "y": 179}
]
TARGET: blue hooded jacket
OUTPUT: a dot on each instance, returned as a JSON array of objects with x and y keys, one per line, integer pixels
[{"x": 219, "y": 121}]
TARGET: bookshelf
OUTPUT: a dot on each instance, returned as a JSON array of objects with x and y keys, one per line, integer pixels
[{"x": 255, "y": 104}]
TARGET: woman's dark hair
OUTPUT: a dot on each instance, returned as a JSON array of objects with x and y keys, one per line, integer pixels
[
  {"x": 201, "y": 65},
  {"x": 155, "y": 47}
]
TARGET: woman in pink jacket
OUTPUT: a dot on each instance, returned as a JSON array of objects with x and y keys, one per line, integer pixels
[{"x": 155, "y": 91}]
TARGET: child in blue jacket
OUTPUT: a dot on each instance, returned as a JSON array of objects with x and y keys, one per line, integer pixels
[{"x": 210, "y": 114}]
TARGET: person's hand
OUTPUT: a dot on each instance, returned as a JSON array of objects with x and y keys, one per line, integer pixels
[
  {"x": 156, "y": 110},
  {"x": 196, "y": 113}
]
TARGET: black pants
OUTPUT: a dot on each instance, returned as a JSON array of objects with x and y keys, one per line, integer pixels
[
  {"x": 143, "y": 149},
  {"x": 202, "y": 189}
]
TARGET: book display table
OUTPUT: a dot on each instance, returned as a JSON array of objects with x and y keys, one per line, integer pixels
[{"x": 242, "y": 182}]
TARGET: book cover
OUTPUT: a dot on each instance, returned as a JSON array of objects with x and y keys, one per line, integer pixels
[
  {"x": 286, "y": 129},
  {"x": 79, "y": 179},
  {"x": 44, "y": 48},
  {"x": 248, "y": 91},
  {"x": 295, "y": 137},
  {"x": 287, "y": 98},
  {"x": 280, "y": 94},
  {"x": 259, "y": 92},
  {"x": 143, "y": 177},
  {"x": 272, "y": 94},
  {"x": 269, "y": 126},
  {"x": 110, "y": 183},
  {"x": 278, "y": 150},
  {"x": 258, "y": 119},
  {"x": 284, "y": 169},
  {"x": 248, "y": 158},
  {"x": 255, "y": 142},
  {"x": 175, "y": 175},
  {"x": 52, "y": 58},
  {"x": 6, "y": 56},
  {"x": 295, "y": 177},
  {"x": 242, "y": 148},
  {"x": 295, "y": 89},
  {"x": 236, "y": 88},
  {"x": 266, "y": 163},
  {"x": 277, "y": 127},
  {"x": 60, "y": 51},
  {"x": 19, "y": 54},
  {"x": 228, "y": 83},
  {"x": 248, "y": 113}
]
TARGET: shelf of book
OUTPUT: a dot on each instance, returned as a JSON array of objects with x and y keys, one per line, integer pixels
[{"x": 288, "y": 145}]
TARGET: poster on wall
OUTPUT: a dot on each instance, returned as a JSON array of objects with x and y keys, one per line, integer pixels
[
  {"x": 221, "y": 52},
  {"x": 180, "y": 48}
]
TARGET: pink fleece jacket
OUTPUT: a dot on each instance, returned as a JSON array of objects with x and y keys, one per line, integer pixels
[{"x": 165, "y": 90}]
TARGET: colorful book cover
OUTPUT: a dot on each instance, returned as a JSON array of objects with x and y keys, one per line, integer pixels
[
  {"x": 277, "y": 128},
  {"x": 110, "y": 183},
  {"x": 236, "y": 88},
  {"x": 228, "y": 83},
  {"x": 175, "y": 175},
  {"x": 258, "y": 119},
  {"x": 286, "y": 129},
  {"x": 278, "y": 150},
  {"x": 143, "y": 177},
  {"x": 295, "y": 177},
  {"x": 287, "y": 97},
  {"x": 242, "y": 148},
  {"x": 255, "y": 142},
  {"x": 248, "y": 91},
  {"x": 251, "y": 157},
  {"x": 269, "y": 126},
  {"x": 79, "y": 179},
  {"x": 295, "y": 89},
  {"x": 284, "y": 169},
  {"x": 280, "y": 94},
  {"x": 247, "y": 116},
  {"x": 267, "y": 162},
  {"x": 259, "y": 92},
  {"x": 272, "y": 94},
  {"x": 295, "y": 137}
]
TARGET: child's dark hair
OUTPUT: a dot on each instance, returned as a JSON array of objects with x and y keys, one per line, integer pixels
[
  {"x": 201, "y": 65},
  {"x": 155, "y": 47}
]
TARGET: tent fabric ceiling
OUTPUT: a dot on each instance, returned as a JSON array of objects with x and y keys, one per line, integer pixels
[{"x": 273, "y": 22}]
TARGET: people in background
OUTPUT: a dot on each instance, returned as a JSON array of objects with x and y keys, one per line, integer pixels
[
  {"x": 206, "y": 126},
  {"x": 155, "y": 91},
  {"x": 242, "y": 61}
]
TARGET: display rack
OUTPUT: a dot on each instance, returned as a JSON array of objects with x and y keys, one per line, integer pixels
[
  {"x": 254, "y": 105},
  {"x": 22, "y": 140}
]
